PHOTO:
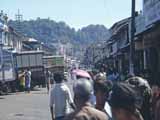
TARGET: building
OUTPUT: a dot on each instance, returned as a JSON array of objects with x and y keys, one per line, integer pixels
[
  {"x": 147, "y": 44},
  {"x": 117, "y": 46}
]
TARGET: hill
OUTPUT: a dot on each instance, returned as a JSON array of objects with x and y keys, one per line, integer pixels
[{"x": 49, "y": 31}]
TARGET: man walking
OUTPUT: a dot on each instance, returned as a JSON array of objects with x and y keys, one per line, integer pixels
[
  {"x": 83, "y": 89},
  {"x": 60, "y": 99},
  {"x": 28, "y": 80},
  {"x": 48, "y": 79},
  {"x": 101, "y": 90}
]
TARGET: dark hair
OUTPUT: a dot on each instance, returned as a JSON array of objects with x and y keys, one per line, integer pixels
[
  {"x": 58, "y": 77},
  {"x": 125, "y": 96}
]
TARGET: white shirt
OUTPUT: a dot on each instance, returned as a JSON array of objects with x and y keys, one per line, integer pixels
[
  {"x": 93, "y": 99},
  {"x": 108, "y": 109},
  {"x": 60, "y": 99}
]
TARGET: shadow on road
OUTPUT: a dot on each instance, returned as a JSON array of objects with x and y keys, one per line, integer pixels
[
  {"x": 1, "y": 98},
  {"x": 19, "y": 114},
  {"x": 40, "y": 93}
]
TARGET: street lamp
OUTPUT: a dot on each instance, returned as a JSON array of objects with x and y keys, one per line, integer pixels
[{"x": 132, "y": 47}]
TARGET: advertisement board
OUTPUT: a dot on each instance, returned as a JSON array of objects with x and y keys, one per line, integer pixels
[{"x": 151, "y": 9}]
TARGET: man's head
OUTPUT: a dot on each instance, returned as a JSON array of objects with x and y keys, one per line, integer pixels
[
  {"x": 100, "y": 76},
  {"x": 102, "y": 69},
  {"x": 125, "y": 101},
  {"x": 58, "y": 77},
  {"x": 146, "y": 93},
  {"x": 83, "y": 89},
  {"x": 142, "y": 85}
]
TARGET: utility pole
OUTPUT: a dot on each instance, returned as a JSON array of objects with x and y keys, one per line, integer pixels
[
  {"x": 19, "y": 18},
  {"x": 132, "y": 46}
]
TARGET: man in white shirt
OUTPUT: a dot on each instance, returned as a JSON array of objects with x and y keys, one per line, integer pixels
[{"x": 60, "y": 99}]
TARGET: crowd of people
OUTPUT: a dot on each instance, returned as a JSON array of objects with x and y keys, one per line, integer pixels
[{"x": 104, "y": 99}]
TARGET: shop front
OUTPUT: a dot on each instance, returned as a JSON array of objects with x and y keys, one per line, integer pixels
[{"x": 151, "y": 43}]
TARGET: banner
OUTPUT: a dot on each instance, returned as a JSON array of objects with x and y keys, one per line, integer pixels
[{"x": 151, "y": 9}]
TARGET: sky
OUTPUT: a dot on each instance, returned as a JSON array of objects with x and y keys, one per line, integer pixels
[{"x": 76, "y": 13}]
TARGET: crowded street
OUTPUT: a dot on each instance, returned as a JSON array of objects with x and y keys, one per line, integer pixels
[{"x": 79, "y": 59}]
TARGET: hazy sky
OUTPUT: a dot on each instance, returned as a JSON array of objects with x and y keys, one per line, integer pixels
[{"x": 76, "y": 13}]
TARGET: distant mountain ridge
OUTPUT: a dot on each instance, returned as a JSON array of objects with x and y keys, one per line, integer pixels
[{"x": 49, "y": 31}]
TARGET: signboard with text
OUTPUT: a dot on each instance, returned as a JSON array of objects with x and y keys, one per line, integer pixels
[{"x": 151, "y": 9}]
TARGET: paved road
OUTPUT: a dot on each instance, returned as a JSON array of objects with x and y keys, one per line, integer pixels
[{"x": 21, "y": 106}]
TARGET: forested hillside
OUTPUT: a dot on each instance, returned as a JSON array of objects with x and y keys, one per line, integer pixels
[{"x": 47, "y": 30}]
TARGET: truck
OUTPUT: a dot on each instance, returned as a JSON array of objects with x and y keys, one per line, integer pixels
[
  {"x": 7, "y": 72},
  {"x": 54, "y": 64},
  {"x": 32, "y": 60}
]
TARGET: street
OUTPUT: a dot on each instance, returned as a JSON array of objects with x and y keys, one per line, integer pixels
[
  {"x": 23, "y": 106},
  {"x": 115, "y": 45}
]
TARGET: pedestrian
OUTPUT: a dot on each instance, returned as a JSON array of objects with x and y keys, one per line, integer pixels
[
  {"x": 157, "y": 110},
  {"x": 61, "y": 100},
  {"x": 146, "y": 93},
  {"x": 28, "y": 80},
  {"x": 48, "y": 79},
  {"x": 22, "y": 80},
  {"x": 102, "y": 71},
  {"x": 110, "y": 75},
  {"x": 125, "y": 101},
  {"x": 83, "y": 89},
  {"x": 101, "y": 91},
  {"x": 156, "y": 102},
  {"x": 116, "y": 75}
]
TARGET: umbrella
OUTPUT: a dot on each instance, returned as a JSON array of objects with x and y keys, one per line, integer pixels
[{"x": 81, "y": 73}]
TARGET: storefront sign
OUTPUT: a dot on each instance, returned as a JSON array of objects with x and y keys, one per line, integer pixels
[{"x": 151, "y": 10}]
